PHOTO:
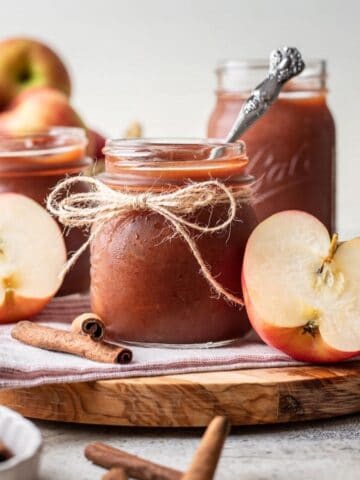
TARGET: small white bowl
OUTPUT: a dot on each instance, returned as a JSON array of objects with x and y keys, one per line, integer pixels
[{"x": 24, "y": 440}]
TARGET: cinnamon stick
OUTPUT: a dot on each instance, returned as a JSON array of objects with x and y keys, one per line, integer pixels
[
  {"x": 89, "y": 324},
  {"x": 5, "y": 453},
  {"x": 207, "y": 455},
  {"x": 135, "y": 467},
  {"x": 69, "y": 342},
  {"x": 115, "y": 474}
]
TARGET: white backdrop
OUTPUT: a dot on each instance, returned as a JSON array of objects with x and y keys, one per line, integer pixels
[{"x": 153, "y": 61}]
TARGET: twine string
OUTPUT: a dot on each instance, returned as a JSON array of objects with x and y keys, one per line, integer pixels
[{"x": 100, "y": 203}]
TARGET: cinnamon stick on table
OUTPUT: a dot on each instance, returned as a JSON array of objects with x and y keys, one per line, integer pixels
[
  {"x": 69, "y": 342},
  {"x": 89, "y": 324},
  {"x": 207, "y": 455},
  {"x": 135, "y": 467},
  {"x": 115, "y": 474}
]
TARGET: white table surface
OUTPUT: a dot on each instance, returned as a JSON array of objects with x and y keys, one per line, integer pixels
[{"x": 328, "y": 450}]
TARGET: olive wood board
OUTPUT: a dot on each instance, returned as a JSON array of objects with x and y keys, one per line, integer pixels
[{"x": 253, "y": 396}]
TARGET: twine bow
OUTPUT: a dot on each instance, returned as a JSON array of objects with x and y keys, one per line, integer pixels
[{"x": 101, "y": 203}]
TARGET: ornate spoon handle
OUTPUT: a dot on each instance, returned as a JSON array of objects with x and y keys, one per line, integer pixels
[{"x": 285, "y": 64}]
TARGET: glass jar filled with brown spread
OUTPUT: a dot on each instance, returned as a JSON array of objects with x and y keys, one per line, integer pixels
[
  {"x": 146, "y": 284},
  {"x": 32, "y": 164},
  {"x": 292, "y": 147}
]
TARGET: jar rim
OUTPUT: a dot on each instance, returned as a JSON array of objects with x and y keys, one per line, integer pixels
[
  {"x": 313, "y": 67},
  {"x": 171, "y": 161},
  {"x": 127, "y": 147},
  {"x": 23, "y": 144}
]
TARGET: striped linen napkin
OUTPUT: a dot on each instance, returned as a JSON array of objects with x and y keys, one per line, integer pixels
[{"x": 23, "y": 366}]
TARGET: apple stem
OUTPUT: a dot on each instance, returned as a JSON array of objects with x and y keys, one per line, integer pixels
[{"x": 332, "y": 249}]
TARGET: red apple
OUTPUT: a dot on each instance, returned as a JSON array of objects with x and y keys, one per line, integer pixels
[
  {"x": 32, "y": 254},
  {"x": 27, "y": 63},
  {"x": 96, "y": 144},
  {"x": 37, "y": 109},
  {"x": 302, "y": 289}
]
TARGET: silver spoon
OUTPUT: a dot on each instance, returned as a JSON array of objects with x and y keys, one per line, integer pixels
[{"x": 285, "y": 64}]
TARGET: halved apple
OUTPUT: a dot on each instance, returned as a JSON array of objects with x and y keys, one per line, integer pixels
[
  {"x": 302, "y": 289},
  {"x": 32, "y": 254}
]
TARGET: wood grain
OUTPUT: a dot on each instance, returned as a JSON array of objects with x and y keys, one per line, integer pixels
[{"x": 256, "y": 396}]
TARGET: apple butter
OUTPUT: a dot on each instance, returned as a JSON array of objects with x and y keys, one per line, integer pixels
[
  {"x": 292, "y": 147},
  {"x": 146, "y": 284},
  {"x": 32, "y": 164}
]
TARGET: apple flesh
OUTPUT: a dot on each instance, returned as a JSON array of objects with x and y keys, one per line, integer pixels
[
  {"x": 32, "y": 255},
  {"x": 26, "y": 63},
  {"x": 302, "y": 289}
]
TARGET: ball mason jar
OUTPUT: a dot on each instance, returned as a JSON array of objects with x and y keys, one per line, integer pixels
[
  {"x": 292, "y": 147},
  {"x": 146, "y": 284},
  {"x": 32, "y": 164}
]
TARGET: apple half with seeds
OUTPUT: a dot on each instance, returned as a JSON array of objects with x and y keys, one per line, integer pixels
[
  {"x": 302, "y": 288},
  {"x": 32, "y": 254}
]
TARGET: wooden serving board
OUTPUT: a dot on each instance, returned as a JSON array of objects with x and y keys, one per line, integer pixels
[{"x": 256, "y": 396}]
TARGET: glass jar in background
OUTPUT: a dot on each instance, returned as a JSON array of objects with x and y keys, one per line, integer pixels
[
  {"x": 146, "y": 284},
  {"x": 32, "y": 164},
  {"x": 292, "y": 147}
]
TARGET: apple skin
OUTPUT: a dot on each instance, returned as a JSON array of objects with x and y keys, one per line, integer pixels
[
  {"x": 27, "y": 63},
  {"x": 36, "y": 109},
  {"x": 17, "y": 308}
]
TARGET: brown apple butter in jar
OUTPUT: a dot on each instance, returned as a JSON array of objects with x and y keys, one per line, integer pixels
[
  {"x": 292, "y": 147},
  {"x": 32, "y": 164},
  {"x": 146, "y": 284}
]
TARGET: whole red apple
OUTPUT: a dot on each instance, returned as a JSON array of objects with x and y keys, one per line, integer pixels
[
  {"x": 96, "y": 144},
  {"x": 37, "y": 109},
  {"x": 27, "y": 63}
]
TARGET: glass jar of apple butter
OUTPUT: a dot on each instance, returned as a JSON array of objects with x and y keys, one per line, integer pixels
[
  {"x": 292, "y": 147},
  {"x": 32, "y": 164},
  {"x": 146, "y": 284}
]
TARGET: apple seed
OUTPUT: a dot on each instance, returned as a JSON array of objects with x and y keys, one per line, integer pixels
[{"x": 311, "y": 327}]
